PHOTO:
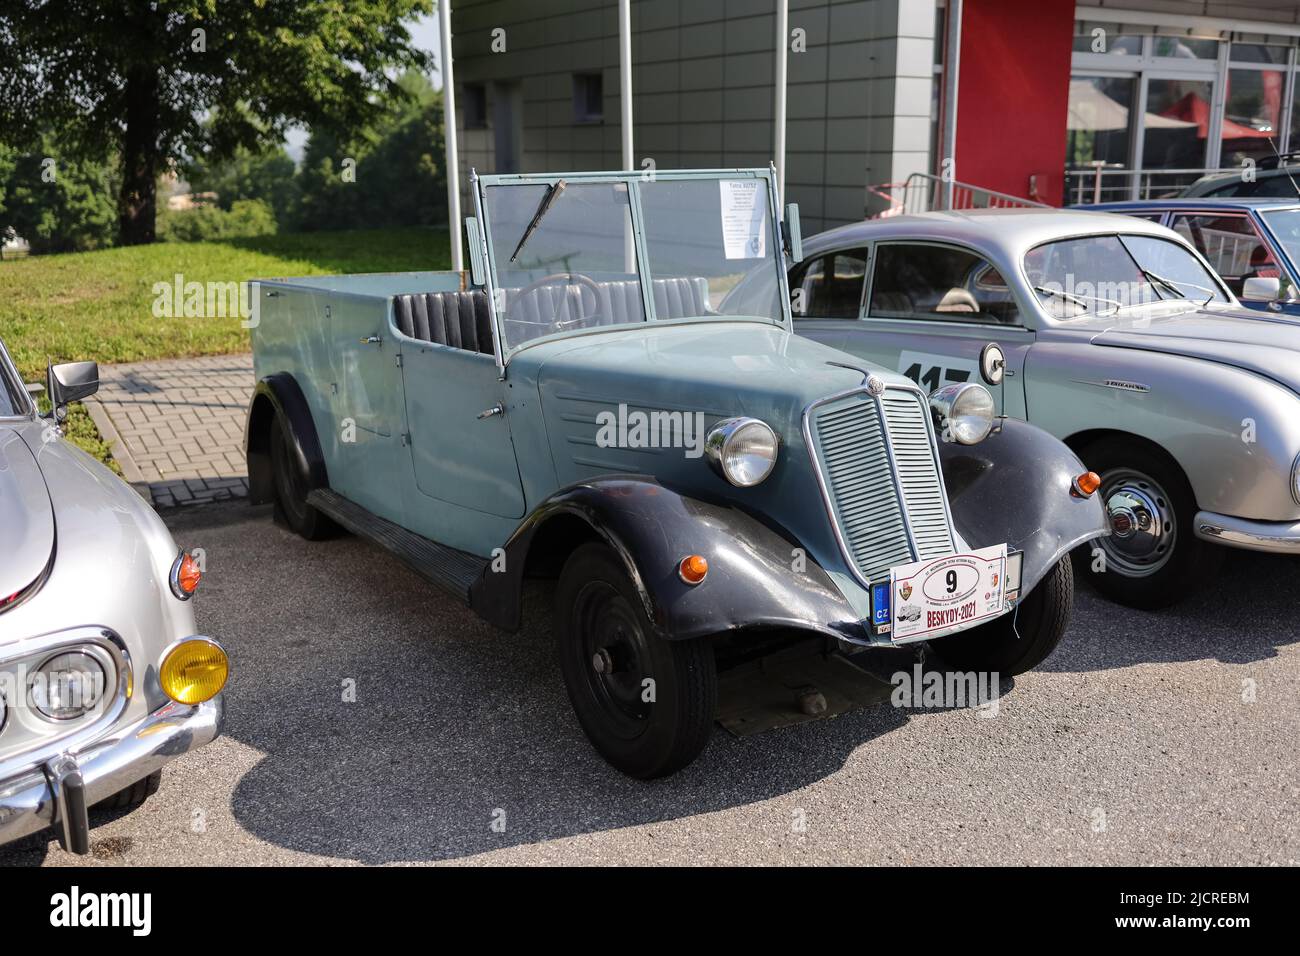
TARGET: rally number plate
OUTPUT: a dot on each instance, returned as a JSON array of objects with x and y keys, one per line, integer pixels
[{"x": 941, "y": 596}]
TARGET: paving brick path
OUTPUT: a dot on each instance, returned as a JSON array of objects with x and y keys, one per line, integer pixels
[{"x": 177, "y": 426}]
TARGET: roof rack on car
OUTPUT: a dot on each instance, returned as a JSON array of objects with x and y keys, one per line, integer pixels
[{"x": 1273, "y": 162}]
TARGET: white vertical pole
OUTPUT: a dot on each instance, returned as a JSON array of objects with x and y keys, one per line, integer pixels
[
  {"x": 625, "y": 78},
  {"x": 449, "y": 138},
  {"x": 778, "y": 111},
  {"x": 625, "y": 119},
  {"x": 951, "y": 72}
]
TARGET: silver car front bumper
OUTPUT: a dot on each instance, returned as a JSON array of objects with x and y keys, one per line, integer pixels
[
  {"x": 59, "y": 792},
  {"x": 1279, "y": 537}
]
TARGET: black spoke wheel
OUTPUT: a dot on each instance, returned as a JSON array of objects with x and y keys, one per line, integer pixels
[
  {"x": 291, "y": 488},
  {"x": 1152, "y": 558},
  {"x": 647, "y": 704},
  {"x": 615, "y": 643}
]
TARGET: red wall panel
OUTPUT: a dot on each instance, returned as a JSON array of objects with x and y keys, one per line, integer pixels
[{"x": 1013, "y": 93}]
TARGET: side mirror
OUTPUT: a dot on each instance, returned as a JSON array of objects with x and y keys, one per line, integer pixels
[
  {"x": 793, "y": 234},
  {"x": 71, "y": 382},
  {"x": 474, "y": 239},
  {"x": 1260, "y": 289}
]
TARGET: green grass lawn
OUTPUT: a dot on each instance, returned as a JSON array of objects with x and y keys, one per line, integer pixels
[{"x": 99, "y": 305}]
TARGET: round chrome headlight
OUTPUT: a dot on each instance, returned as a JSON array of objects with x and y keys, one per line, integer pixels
[
  {"x": 964, "y": 412},
  {"x": 742, "y": 450},
  {"x": 68, "y": 685}
]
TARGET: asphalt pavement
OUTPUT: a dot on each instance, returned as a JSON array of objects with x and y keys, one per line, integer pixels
[{"x": 371, "y": 720}]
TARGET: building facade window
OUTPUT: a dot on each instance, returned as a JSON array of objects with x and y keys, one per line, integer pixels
[
  {"x": 473, "y": 105},
  {"x": 588, "y": 98}
]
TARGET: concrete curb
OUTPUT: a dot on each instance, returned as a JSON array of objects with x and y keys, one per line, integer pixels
[{"x": 131, "y": 473}]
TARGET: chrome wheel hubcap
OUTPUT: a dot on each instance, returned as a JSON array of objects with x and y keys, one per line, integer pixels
[{"x": 1143, "y": 527}]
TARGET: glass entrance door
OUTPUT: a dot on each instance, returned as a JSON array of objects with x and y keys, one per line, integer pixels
[{"x": 1176, "y": 122}]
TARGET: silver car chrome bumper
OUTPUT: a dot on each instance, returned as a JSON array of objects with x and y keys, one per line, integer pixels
[
  {"x": 60, "y": 791},
  {"x": 1278, "y": 537}
]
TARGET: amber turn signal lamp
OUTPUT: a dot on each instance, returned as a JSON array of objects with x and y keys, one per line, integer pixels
[
  {"x": 1085, "y": 485},
  {"x": 693, "y": 568},
  {"x": 186, "y": 575}
]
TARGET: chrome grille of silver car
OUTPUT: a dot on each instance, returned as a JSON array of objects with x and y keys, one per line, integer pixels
[{"x": 881, "y": 522}]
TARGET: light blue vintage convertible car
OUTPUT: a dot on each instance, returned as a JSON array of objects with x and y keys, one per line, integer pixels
[{"x": 701, "y": 484}]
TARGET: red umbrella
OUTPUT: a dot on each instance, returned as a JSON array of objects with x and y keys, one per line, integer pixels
[{"x": 1195, "y": 110}]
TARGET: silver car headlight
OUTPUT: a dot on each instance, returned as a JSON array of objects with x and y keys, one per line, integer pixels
[
  {"x": 963, "y": 412},
  {"x": 742, "y": 450},
  {"x": 68, "y": 685}
]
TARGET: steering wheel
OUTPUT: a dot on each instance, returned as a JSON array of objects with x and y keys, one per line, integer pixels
[{"x": 568, "y": 278}]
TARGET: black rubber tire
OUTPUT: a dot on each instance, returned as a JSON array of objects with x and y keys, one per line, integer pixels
[
  {"x": 1020, "y": 641},
  {"x": 679, "y": 722},
  {"x": 1192, "y": 564},
  {"x": 291, "y": 488},
  {"x": 132, "y": 796}
]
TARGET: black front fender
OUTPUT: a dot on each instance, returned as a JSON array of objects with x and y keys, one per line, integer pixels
[
  {"x": 758, "y": 577},
  {"x": 1014, "y": 487},
  {"x": 280, "y": 395}
]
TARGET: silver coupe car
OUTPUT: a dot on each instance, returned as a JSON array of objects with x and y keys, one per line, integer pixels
[
  {"x": 102, "y": 677},
  {"x": 1110, "y": 332}
]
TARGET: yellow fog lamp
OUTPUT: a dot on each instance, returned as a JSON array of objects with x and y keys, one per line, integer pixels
[{"x": 193, "y": 671}]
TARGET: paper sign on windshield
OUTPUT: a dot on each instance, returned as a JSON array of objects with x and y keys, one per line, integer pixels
[{"x": 744, "y": 215}]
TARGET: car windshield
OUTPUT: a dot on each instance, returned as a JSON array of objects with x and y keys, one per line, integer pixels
[
  {"x": 703, "y": 236},
  {"x": 1285, "y": 225},
  {"x": 566, "y": 256},
  {"x": 1097, "y": 275}
]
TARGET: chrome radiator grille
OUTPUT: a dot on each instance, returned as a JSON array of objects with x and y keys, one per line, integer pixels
[{"x": 882, "y": 522}]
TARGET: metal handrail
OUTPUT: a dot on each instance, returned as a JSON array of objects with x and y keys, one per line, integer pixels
[
  {"x": 924, "y": 192},
  {"x": 1099, "y": 182}
]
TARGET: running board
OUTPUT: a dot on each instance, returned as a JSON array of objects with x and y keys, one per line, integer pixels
[{"x": 453, "y": 571}]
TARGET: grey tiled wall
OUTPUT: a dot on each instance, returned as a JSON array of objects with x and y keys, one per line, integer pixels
[{"x": 858, "y": 108}]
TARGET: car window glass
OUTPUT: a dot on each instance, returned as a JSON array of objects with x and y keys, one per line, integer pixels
[
  {"x": 577, "y": 268},
  {"x": 1278, "y": 185},
  {"x": 1231, "y": 245},
  {"x": 11, "y": 398},
  {"x": 1090, "y": 275},
  {"x": 1285, "y": 225},
  {"x": 703, "y": 238},
  {"x": 830, "y": 286},
  {"x": 1172, "y": 262},
  {"x": 923, "y": 281}
]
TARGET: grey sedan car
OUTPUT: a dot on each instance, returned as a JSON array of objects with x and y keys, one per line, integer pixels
[
  {"x": 102, "y": 677},
  {"x": 1111, "y": 333}
]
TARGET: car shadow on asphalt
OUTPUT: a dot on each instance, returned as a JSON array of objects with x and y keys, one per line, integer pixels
[
  {"x": 1245, "y": 615},
  {"x": 396, "y": 726}
]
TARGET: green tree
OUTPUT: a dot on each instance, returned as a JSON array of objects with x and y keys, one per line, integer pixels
[
  {"x": 267, "y": 175},
  {"x": 161, "y": 79},
  {"x": 390, "y": 174},
  {"x": 8, "y": 160},
  {"x": 57, "y": 204}
]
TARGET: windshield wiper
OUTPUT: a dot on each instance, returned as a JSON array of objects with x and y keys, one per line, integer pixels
[
  {"x": 543, "y": 207},
  {"x": 1177, "y": 289},
  {"x": 1079, "y": 300}
]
